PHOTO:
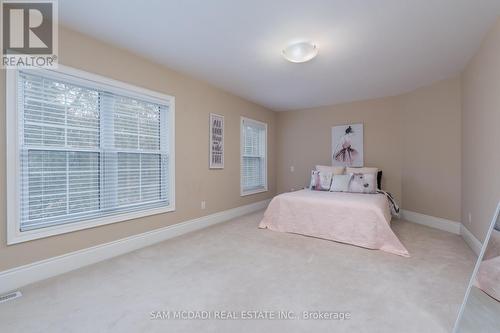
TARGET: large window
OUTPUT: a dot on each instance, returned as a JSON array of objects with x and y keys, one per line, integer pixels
[
  {"x": 84, "y": 151},
  {"x": 253, "y": 156}
]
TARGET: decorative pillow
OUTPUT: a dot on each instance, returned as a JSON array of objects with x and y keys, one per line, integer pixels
[
  {"x": 361, "y": 170},
  {"x": 332, "y": 169},
  {"x": 314, "y": 179},
  {"x": 320, "y": 181},
  {"x": 340, "y": 183},
  {"x": 376, "y": 171},
  {"x": 363, "y": 183}
]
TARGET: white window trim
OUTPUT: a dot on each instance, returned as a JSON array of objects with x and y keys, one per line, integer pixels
[
  {"x": 260, "y": 190},
  {"x": 14, "y": 233}
]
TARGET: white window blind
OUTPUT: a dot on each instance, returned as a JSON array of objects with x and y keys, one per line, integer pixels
[
  {"x": 86, "y": 152},
  {"x": 253, "y": 156}
]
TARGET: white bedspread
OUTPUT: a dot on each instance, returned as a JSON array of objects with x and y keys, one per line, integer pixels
[{"x": 354, "y": 218}]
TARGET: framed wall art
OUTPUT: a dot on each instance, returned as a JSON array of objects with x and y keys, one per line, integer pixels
[
  {"x": 347, "y": 145},
  {"x": 216, "y": 141}
]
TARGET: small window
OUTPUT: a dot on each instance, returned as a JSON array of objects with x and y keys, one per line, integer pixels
[
  {"x": 253, "y": 156},
  {"x": 85, "y": 151}
]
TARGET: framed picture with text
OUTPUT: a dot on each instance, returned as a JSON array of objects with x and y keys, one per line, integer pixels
[{"x": 216, "y": 141}]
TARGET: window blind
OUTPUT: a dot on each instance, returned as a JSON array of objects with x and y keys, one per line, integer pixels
[
  {"x": 86, "y": 152},
  {"x": 253, "y": 156}
]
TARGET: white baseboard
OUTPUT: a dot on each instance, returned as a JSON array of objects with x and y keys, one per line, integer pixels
[
  {"x": 446, "y": 225},
  {"x": 23, "y": 275},
  {"x": 431, "y": 221},
  {"x": 471, "y": 240}
]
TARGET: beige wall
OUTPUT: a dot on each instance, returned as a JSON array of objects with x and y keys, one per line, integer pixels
[
  {"x": 194, "y": 101},
  {"x": 481, "y": 135},
  {"x": 431, "y": 149},
  {"x": 414, "y": 138}
]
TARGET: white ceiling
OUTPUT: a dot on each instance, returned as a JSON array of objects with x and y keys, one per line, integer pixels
[{"x": 367, "y": 49}]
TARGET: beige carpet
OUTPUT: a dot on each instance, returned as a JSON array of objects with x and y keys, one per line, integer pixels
[{"x": 236, "y": 267}]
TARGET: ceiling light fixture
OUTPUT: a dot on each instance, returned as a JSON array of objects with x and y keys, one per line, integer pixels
[{"x": 300, "y": 52}]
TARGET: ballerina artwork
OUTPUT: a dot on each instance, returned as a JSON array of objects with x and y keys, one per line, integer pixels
[{"x": 347, "y": 143}]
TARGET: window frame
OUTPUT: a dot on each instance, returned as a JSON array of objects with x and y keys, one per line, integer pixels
[
  {"x": 244, "y": 192},
  {"x": 14, "y": 233}
]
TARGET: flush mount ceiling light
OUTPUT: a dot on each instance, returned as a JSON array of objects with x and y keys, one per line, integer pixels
[{"x": 300, "y": 52}]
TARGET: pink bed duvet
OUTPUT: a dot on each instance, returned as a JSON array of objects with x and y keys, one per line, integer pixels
[{"x": 353, "y": 218}]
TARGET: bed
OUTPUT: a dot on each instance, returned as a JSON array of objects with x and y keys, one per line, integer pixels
[{"x": 353, "y": 218}]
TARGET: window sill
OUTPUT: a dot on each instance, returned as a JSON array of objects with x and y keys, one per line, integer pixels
[
  {"x": 16, "y": 236},
  {"x": 250, "y": 192}
]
